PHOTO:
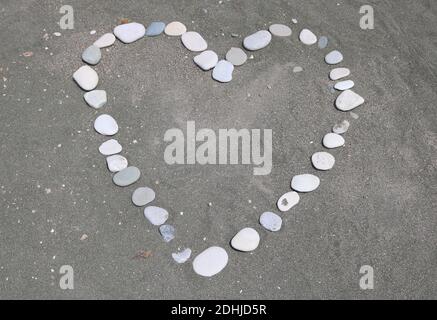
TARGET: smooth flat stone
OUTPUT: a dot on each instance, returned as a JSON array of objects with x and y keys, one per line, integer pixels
[
  {"x": 288, "y": 201},
  {"x": 96, "y": 98},
  {"x": 167, "y": 232},
  {"x": 129, "y": 32},
  {"x": 236, "y": 56},
  {"x": 307, "y": 37},
  {"x": 143, "y": 196},
  {"x": 116, "y": 163},
  {"x": 323, "y": 42},
  {"x": 271, "y": 221},
  {"x": 156, "y": 215},
  {"x": 210, "y": 262},
  {"x": 280, "y": 30},
  {"x": 222, "y": 72},
  {"x": 341, "y": 127},
  {"x": 339, "y": 73},
  {"x": 334, "y": 57},
  {"x": 126, "y": 176},
  {"x": 305, "y": 183},
  {"x": 86, "y": 78},
  {"x": 258, "y": 40},
  {"x": 333, "y": 140},
  {"x": 106, "y": 125},
  {"x": 110, "y": 147},
  {"x": 246, "y": 240},
  {"x": 193, "y": 41},
  {"x": 182, "y": 256},
  {"x": 92, "y": 55},
  {"x": 323, "y": 161},
  {"x": 106, "y": 40},
  {"x": 206, "y": 60},
  {"x": 155, "y": 29},
  {"x": 348, "y": 100},
  {"x": 175, "y": 29},
  {"x": 344, "y": 85},
  {"x": 297, "y": 69}
]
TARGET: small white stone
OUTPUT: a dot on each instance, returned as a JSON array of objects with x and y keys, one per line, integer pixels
[
  {"x": 339, "y": 73},
  {"x": 143, "y": 196},
  {"x": 223, "y": 71},
  {"x": 271, "y": 221},
  {"x": 333, "y": 140},
  {"x": 308, "y": 37},
  {"x": 193, "y": 41},
  {"x": 95, "y": 98},
  {"x": 341, "y": 128},
  {"x": 246, "y": 240},
  {"x": 323, "y": 161},
  {"x": 206, "y": 60},
  {"x": 86, "y": 78},
  {"x": 175, "y": 29},
  {"x": 129, "y": 32},
  {"x": 110, "y": 147},
  {"x": 344, "y": 85},
  {"x": 106, "y": 125},
  {"x": 334, "y": 57},
  {"x": 258, "y": 40},
  {"x": 182, "y": 256},
  {"x": 156, "y": 215},
  {"x": 106, "y": 40},
  {"x": 210, "y": 262},
  {"x": 116, "y": 163},
  {"x": 288, "y": 201},
  {"x": 348, "y": 100},
  {"x": 280, "y": 30},
  {"x": 305, "y": 183}
]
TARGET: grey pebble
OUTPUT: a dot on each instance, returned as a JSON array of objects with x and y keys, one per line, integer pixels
[
  {"x": 167, "y": 232},
  {"x": 155, "y": 29},
  {"x": 92, "y": 55},
  {"x": 236, "y": 56},
  {"x": 323, "y": 42},
  {"x": 126, "y": 176},
  {"x": 143, "y": 196}
]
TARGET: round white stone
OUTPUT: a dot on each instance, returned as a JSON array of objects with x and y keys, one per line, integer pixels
[
  {"x": 348, "y": 100},
  {"x": 210, "y": 262},
  {"x": 106, "y": 125},
  {"x": 344, "y": 85},
  {"x": 258, "y": 40},
  {"x": 245, "y": 240},
  {"x": 104, "y": 41},
  {"x": 305, "y": 183},
  {"x": 206, "y": 60},
  {"x": 236, "y": 56},
  {"x": 271, "y": 221},
  {"x": 143, "y": 196},
  {"x": 193, "y": 41},
  {"x": 182, "y": 256},
  {"x": 323, "y": 161},
  {"x": 116, "y": 163},
  {"x": 175, "y": 29},
  {"x": 129, "y": 32},
  {"x": 307, "y": 37},
  {"x": 86, "y": 78},
  {"x": 110, "y": 147},
  {"x": 339, "y": 73},
  {"x": 280, "y": 30},
  {"x": 334, "y": 57},
  {"x": 288, "y": 201},
  {"x": 223, "y": 71},
  {"x": 156, "y": 215},
  {"x": 341, "y": 128},
  {"x": 96, "y": 98},
  {"x": 333, "y": 140}
]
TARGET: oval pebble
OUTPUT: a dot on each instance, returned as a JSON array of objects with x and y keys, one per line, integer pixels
[
  {"x": 333, "y": 140},
  {"x": 182, "y": 256},
  {"x": 86, "y": 78},
  {"x": 110, "y": 147},
  {"x": 341, "y": 127},
  {"x": 280, "y": 30},
  {"x": 236, "y": 56},
  {"x": 126, "y": 176},
  {"x": 193, "y": 41},
  {"x": 323, "y": 42},
  {"x": 222, "y": 72},
  {"x": 156, "y": 215},
  {"x": 106, "y": 125},
  {"x": 323, "y": 161},
  {"x": 246, "y": 240},
  {"x": 348, "y": 100},
  {"x": 106, "y": 40},
  {"x": 258, "y": 40},
  {"x": 206, "y": 60},
  {"x": 344, "y": 85},
  {"x": 143, "y": 196},
  {"x": 305, "y": 183},
  {"x": 334, "y": 57},
  {"x": 92, "y": 55},
  {"x": 96, "y": 98},
  {"x": 210, "y": 262},
  {"x": 271, "y": 221},
  {"x": 288, "y": 201},
  {"x": 167, "y": 232},
  {"x": 116, "y": 163},
  {"x": 155, "y": 29},
  {"x": 339, "y": 73},
  {"x": 130, "y": 32},
  {"x": 175, "y": 29},
  {"x": 307, "y": 37}
]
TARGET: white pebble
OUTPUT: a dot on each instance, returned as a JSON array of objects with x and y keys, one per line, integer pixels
[
  {"x": 110, "y": 147},
  {"x": 348, "y": 100},
  {"x": 323, "y": 161},
  {"x": 307, "y": 37},
  {"x": 210, "y": 262},
  {"x": 116, "y": 163},
  {"x": 86, "y": 78},
  {"x": 333, "y": 140},
  {"x": 106, "y": 125},
  {"x": 305, "y": 183},
  {"x": 246, "y": 240},
  {"x": 288, "y": 201},
  {"x": 339, "y": 73},
  {"x": 106, "y": 40}
]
